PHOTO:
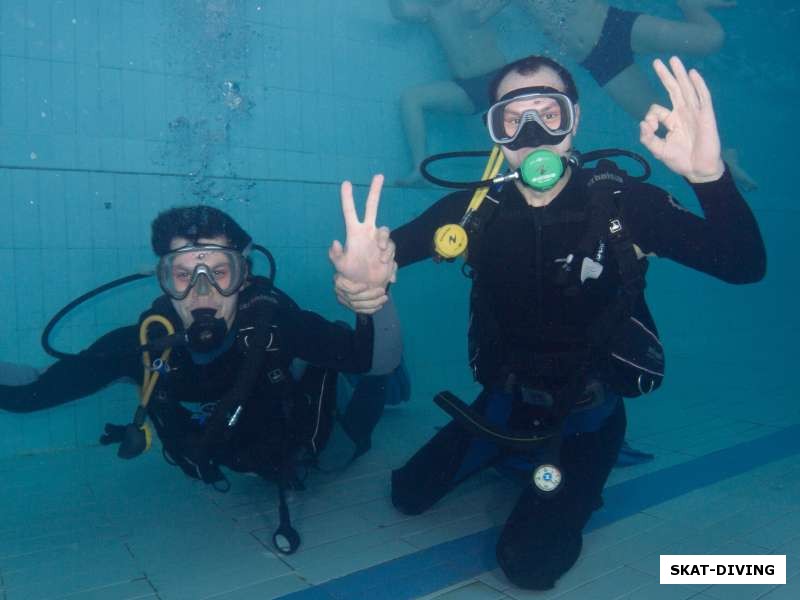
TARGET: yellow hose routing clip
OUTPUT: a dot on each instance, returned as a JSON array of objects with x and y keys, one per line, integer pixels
[
  {"x": 451, "y": 240},
  {"x": 150, "y": 374},
  {"x": 137, "y": 436}
]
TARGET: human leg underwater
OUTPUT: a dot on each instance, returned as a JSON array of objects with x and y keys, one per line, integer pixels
[
  {"x": 443, "y": 96},
  {"x": 448, "y": 458},
  {"x": 542, "y": 537}
]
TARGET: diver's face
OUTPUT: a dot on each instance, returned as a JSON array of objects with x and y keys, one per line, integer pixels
[
  {"x": 543, "y": 77},
  {"x": 203, "y": 296}
]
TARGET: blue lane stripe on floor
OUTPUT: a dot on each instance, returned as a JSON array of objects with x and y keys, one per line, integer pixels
[{"x": 443, "y": 565}]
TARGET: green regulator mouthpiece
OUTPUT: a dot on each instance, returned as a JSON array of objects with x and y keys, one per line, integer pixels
[{"x": 541, "y": 169}]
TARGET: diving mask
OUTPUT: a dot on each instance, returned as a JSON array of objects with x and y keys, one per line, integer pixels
[
  {"x": 531, "y": 117},
  {"x": 200, "y": 267}
]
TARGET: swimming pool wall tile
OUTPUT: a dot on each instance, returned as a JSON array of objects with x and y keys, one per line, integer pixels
[
  {"x": 13, "y": 20},
  {"x": 13, "y": 97},
  {"x": 62, "y": 101},
  {"x": 38, "y": 91}
]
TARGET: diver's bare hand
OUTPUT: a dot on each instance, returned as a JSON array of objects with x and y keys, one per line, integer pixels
[
  {"x": 367, "y": 258},
  {"x": 691, "y": 146},
  {"x": 359, "y": 297}
]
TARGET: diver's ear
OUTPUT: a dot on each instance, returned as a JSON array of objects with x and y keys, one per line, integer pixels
[{"x": 577, "y": 119}]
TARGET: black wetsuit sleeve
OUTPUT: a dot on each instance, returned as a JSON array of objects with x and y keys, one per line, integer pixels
[
  {"x": 309, "y": 337},
  {"x": 414, "y": 240},
  {"x": 726, "y": 244},
  {"x": 111, "y": 357}
]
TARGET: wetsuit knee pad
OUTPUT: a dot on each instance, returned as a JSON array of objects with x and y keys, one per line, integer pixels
[{"x": 537, "y": 562}]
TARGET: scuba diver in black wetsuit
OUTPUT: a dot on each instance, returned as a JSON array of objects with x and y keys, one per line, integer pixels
[
  {"x": 214, "y": 359},
  {"x": 559, "y": 327}
]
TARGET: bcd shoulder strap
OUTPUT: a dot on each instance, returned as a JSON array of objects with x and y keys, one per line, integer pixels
[{"x": 609, "y": 188}]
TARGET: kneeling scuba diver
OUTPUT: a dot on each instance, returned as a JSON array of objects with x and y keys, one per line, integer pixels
[
  {"x": 219, "y": 393},
  {"x": 621, "y": 350}
]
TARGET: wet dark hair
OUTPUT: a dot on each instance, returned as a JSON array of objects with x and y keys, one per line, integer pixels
[
  {"x": 530, "y": 65},
  {"x": 193, "y": 223}
]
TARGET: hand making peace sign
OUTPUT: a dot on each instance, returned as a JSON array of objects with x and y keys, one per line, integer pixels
[{"x": 365, "y": 266}]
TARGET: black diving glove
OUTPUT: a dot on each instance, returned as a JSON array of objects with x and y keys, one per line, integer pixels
[
  {"x": 113, "y": 434},
  {"x": 132, "y": 440}
]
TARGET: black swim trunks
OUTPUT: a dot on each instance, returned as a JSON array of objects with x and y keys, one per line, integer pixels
[
  {"x": 612, "y": 54},
  {"x": 477, "y": 88}
]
